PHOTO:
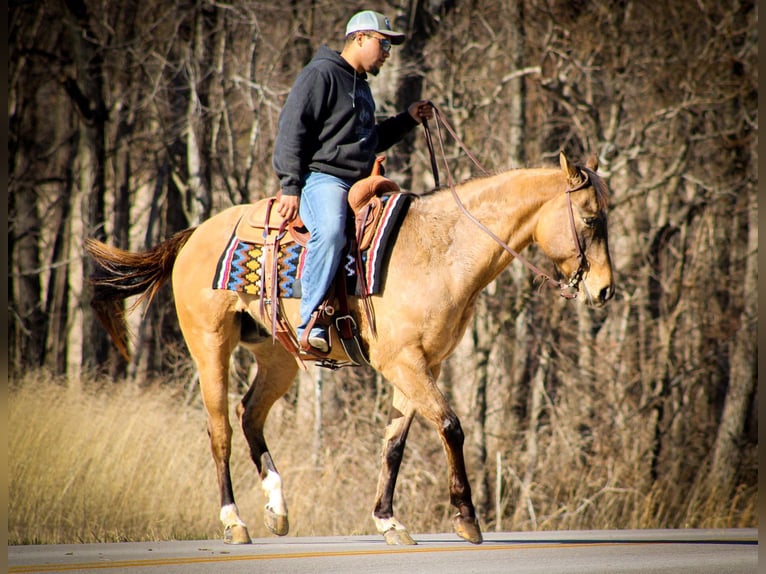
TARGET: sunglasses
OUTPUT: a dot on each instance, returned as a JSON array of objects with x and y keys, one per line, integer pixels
[{"x": 385, "y": 43}]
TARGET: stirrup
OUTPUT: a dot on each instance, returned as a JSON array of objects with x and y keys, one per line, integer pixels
[{"x": 304, "y": 343}]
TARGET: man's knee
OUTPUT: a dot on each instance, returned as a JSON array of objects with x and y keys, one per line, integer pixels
[{"x": 329, "y": 240}]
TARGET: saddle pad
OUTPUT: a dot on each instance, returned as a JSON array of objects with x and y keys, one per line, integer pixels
[{"x": 240, "y": 266}]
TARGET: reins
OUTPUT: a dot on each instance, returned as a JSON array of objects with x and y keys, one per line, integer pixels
[{"x": 564, "y": 287}]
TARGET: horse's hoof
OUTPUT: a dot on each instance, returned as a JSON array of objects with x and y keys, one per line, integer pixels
[
  {"x": 236, "y": 534},
  {"x": 276, "y": 523},
  {"x": 468, "y": 528},
  {"x": 396, "y": 537}
]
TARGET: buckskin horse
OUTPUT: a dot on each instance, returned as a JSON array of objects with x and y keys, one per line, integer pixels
[{"x": 438, "y": 265}]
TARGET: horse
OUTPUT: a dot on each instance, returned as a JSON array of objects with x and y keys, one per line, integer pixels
[{"x": 437, "y": 267}]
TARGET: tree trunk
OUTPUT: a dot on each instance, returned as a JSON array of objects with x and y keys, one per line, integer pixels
[
  {"x": 28, "y": 323},
  {"x": 476, "y": 448},
  {"x": 87, "y": 344},
  {"x": 536, "y": 402},
  {"x": 56, "y": 306},
  {"x": 421, "y": 25},
  {"x": 516, "y": 88},
  {"x": 743, "y": 371},
  {"x": 200, "y": 66}
]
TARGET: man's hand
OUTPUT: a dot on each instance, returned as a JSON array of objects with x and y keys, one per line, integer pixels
[
  {"x": 288, "y": 206},
  {"x": 421, "y": 110}
]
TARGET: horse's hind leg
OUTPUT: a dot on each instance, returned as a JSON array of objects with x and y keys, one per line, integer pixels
[
  {"x": 276, "y": 372},
  {"x": 211, "y": 331},
  {"x": 397, "y": 429},
  {"x": 213, "y": 375}
]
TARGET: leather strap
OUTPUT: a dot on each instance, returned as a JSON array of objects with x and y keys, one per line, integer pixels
[
  {"x": 364, "y": 292},
  {"x": 269, "y": 282}
]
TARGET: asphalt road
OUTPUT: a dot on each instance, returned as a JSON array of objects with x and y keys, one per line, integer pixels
[{"x": 565, "y": 552}]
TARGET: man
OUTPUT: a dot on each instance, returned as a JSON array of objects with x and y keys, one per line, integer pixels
[{"x": 327, "y": 141}]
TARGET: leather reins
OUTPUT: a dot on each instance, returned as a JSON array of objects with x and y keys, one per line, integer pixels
[{"x": 568, "y": 288}]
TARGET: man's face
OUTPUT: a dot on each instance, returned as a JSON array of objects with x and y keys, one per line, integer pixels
[{"x": 375, "y": 50}]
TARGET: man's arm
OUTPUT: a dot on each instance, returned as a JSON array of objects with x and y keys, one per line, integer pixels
[
  {"x": 297, "y": 123},
  {"x": 393, "y": 129}
]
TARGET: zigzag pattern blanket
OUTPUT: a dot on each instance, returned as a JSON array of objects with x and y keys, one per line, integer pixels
[{"x": 241, "y": 264}]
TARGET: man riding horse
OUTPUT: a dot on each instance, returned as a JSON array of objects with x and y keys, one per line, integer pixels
[{"x": 327, "y": 141}]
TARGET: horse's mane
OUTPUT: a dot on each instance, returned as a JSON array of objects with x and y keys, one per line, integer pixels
[
  {"x": 600, "y": 188},
  {"x": 444, "y": 187},
  {"x": 602, "y": 193}
]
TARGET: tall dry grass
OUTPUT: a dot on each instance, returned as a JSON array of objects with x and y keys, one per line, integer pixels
[
  {"x": 120, "y": 463},
  {"x": 117, "y": 463},
  {"x": 98, "y": 466}
]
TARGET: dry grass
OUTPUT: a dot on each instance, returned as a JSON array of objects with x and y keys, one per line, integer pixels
[
  {"x": 105, "y": 467},
  {"x": 123, "y": 463}
]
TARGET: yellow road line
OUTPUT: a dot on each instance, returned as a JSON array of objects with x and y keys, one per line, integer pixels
[
  {"x": 282, "y": 556},
  {"x": 334, "y": 554}
]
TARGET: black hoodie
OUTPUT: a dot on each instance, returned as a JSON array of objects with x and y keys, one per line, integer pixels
[{"x": 328, "y": 124}]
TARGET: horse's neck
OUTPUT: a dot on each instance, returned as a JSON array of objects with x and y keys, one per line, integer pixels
[{"x": 507, "y": 204}]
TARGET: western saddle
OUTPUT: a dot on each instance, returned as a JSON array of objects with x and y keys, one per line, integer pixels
[{"x": 262, "y": 225}]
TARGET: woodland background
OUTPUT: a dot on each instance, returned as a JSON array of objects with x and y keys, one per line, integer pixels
[{"x": 131, "y": 120}]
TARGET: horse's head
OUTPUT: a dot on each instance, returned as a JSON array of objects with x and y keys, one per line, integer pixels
[{"x": 572, "y": 231}]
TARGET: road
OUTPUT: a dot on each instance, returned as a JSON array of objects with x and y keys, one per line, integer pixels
[{"x": 564, "y": 552}]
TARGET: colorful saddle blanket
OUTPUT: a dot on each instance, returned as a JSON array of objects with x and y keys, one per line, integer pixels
[{"x": 240, "y": 266}]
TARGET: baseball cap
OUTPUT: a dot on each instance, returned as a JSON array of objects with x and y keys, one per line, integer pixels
[{"x": 371, "y": 21}]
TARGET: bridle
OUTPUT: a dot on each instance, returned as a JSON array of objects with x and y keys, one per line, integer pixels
[
  {"x": 577, "y": 276},
  {"x": 568, "y": 288}
]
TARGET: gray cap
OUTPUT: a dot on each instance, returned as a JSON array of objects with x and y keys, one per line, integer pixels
[{"x": 371, "y": 21}]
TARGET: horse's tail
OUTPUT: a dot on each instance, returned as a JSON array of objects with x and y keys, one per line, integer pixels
[{"x": 119, "y": 274}]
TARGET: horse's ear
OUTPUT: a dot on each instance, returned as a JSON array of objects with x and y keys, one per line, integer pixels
[
  {"x": 570, "y": 171},
  {"x": 592, "y": 162}
]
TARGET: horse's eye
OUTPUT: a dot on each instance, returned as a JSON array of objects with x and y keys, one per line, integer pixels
[{"x": 590, "y": 221}]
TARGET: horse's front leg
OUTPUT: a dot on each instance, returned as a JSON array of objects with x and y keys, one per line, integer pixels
[
  {"x": 421, "y": 390},
  {"x": 395, "y": 439},
  {"x": 465, "y": 521}
]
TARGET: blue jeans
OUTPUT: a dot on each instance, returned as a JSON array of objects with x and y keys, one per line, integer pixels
[{"x": 323, "y": 206}]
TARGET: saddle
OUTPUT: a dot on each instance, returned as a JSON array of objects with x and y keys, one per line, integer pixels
[{"x": 261, "y": 224}]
